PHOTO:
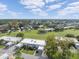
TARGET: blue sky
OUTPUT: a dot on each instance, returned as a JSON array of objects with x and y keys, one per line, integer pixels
[{"x": 39, "y": 9}]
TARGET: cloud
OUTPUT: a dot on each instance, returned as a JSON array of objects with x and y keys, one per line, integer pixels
[
  {"x": 3, "y": 7},
  {"x": 43, "y": 7},
  {"x": 52, "y": 7},
  {"x": 14, "y": 14},
  {"x": 47, "y": 1},
  {"x": 37, "y": 3},
  {"x": 55, "y": 6},
  {"x": 1, "y": 14},
  {"x": 70, "y": 9},
  {"x": 35, "y": 6},
  {"x": 30, "y": 7},
  {"x": 74, "y": 4},
  {"x": 39, "y": 12},
  {"x": 5, "y": 11},
  {"x": 38, "y": 6}
]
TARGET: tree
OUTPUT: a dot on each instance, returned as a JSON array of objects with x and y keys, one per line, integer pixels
[
  {"x": 52, "y": 50},
  {"x": 58, "y": 29},
  {"x": 69, "y": 35},
  {"x": 1, "y": 42},
  {"x": 77, "y": 38},
  {"x": 41, "y": 31},
  {"x": 66, "y": 54},
  {"x": 20, "y": 35},
  {"x": 18, "y": 54},
  {"x": 51, "y": 47}
]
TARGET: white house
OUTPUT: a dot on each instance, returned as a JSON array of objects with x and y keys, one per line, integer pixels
[
  {"x": 77, "y": 45},
  {"x": 40, "y": 48},
  {"x": 49, "y": 29},
  {"x": 34, "y": 43},
  {"x": 46, "y": 29},
  {"x": 11, "y": 39},
  {"x": 9, "y": 44},
  {"x": 19, "y": 45}
]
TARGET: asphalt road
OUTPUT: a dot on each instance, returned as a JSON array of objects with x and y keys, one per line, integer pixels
[
  {"x": 8, "y": 50},
  {"x": 25, "y": 56}
]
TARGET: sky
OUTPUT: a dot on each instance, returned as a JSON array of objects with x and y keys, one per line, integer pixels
[{"x": 39, "y": 9}]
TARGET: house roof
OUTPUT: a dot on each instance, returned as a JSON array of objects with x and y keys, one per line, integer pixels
[
  {"x": 9, "y": 43},
  {"x": 40, "y": 48},
  {"x": 12, "y": 39},
  {"x": 34, "y": 41},
  {"x": 19, "y": 45},
  {"x": 77, "y": 43},
  {"x": 47, "y": 29}
]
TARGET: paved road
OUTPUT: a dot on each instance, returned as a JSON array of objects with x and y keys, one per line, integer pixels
[
  {"x": 8, "y": 50},
  {"x": 27, "y": 56}
]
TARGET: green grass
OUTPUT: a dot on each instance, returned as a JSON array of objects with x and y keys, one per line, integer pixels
[
  {"x": 1, "y": 46},
  {"x": 75, "y": 56},
  {"x": 31, "y": 52},
  {"x": 69, "y": 31},
  {"x": 30, "y": 34},
  {"x": 18, "y": 57},
  {"x": 33, "y": 34}
]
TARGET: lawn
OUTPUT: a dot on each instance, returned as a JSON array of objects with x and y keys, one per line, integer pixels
[
  {"x": 33, "y": 34},
  {"x": 1, "y": 46},
  {"x": 69, "y": 31},
  {"x": 75, "y": 56},
  {"x": 28, "y": 34},
  {"x": 19, "y": 58},
  {"x": 31, "y": 52}
]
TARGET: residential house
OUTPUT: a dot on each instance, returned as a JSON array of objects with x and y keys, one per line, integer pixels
[{"x": 4, "y": 28}]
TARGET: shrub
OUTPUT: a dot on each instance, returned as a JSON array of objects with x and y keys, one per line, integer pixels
[
  {"x": 69, "y": 35},
  {"x": 20, "y": 35},
  {"x": 41, "y": 31},
  {"x": 77, "y": 38}
]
